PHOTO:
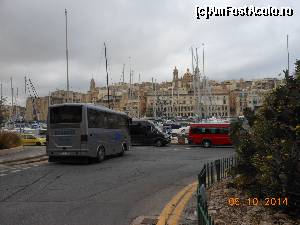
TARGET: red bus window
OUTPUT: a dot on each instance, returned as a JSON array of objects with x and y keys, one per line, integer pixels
[
  {"x": 207, "y": 130},
  {"x": 224, "y": 131}
]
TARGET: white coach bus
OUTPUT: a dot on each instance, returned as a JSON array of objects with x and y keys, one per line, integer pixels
[{"x": 86, "y": 130}]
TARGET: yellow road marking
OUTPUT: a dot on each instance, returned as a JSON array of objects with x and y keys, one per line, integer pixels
[
  {"x": 176, "y": 206},
  {"x": 173, "y": 220}
]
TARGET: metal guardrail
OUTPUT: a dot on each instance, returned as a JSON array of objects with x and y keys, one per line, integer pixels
[{"x": 211, "y": 172}]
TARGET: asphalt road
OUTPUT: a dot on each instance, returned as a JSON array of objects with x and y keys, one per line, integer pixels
[{"x": 114, "y": 192}]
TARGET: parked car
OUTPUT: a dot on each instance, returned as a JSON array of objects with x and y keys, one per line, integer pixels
[
  {"x": 210, "y": 134},
  {"x": 144, "y": 132},
  {"x": 29, "y": 139},
  {"x": 181, "y": 130}
]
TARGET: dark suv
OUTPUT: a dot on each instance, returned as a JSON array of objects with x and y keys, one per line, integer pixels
[{"x": 144, "y": 132}]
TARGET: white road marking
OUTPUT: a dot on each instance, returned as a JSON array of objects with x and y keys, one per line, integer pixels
[{"x": 25, "y": 168}]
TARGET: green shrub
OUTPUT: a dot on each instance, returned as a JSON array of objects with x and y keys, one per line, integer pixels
[
  {"x": 269, "y": 147},
  {"x": 9, "y": 139}
]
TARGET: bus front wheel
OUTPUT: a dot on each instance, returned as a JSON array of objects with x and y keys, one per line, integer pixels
[
  {"x": 101, "y": 154},
  {"x": 206, "y": 143}
]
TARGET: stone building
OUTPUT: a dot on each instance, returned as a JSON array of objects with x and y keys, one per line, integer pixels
[
  {"x": 37, "y": 108},
  {"x": 175, "y": 98}
]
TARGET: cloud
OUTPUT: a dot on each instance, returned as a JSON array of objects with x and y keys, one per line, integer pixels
[{"x": 156, "y": 35}]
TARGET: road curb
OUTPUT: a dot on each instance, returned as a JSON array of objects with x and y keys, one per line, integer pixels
[
  {"x": 22, "y": 159},
  {"x": 9, "y": 151},
  {"x": 173, "y": 210}
]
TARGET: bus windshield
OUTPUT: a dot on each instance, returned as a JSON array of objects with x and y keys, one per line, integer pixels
[{"x": 66, "y": 114}]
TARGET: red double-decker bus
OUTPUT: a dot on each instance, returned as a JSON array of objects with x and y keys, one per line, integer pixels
[{"x": 210, "y": 134}]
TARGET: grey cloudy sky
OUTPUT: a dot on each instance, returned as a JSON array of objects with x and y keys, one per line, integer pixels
[{"x": 157, "y": 35}]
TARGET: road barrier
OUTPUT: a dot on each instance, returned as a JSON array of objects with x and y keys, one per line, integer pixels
[{"x": 211, "y": 172}]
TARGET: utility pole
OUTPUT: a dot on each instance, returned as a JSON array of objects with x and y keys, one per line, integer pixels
[
  {"x": 67, "y": 55},
  {"x": 106, "y": 76}
]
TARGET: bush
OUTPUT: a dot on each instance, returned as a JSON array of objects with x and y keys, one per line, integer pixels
[
  {"x": 9, "y": 139},
  {"x": 269, "y": 149}
]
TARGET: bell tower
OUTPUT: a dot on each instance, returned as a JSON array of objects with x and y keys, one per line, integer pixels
[
  {"x": 175, "y": 77},
  {"x": 92, "y": 84}
]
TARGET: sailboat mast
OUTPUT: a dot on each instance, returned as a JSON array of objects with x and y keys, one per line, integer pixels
[
  {"x": 67, "y": 55},
  {"x": 203, "y": 60},
  {"x": 139, "y": 107},
  {"x": 12, "y": 97},
  {"x": 288, "y": 54},
  {"x": 106, "y": 76},
  {"x": 123, "y": 73},
  {"x": 25, "y": 81},
  {"x": 194, "y": 82},
  {"x": 197, "y": 79}
]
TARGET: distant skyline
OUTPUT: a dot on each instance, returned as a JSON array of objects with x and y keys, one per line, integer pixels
[{"x": 155, "y": 35}]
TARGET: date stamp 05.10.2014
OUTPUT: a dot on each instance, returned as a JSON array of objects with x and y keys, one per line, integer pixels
[{"x": 253, "y": 201}]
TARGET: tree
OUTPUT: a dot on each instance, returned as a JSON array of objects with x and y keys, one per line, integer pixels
[
  {"x": 270, "y": 148},
  {"x": 297, "y": 70},
  {"x": 2, "y": 111}
]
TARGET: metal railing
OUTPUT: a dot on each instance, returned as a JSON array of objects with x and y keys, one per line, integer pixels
[{"x": 211, "y": 172}]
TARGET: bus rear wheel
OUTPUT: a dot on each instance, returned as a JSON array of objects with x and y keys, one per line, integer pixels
[
  {"x": 100, "y": 154},
  {"x": 206, "y": 144}
]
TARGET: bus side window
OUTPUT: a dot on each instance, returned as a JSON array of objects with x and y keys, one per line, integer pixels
[
  {"x": 213, "y": 130},
  {"x": 116, "y": 121},
  {"x": 207, "y": 130},
  {"x": 110, "y": 121},
  {"x": 123, "y": 122},
  {"x": 194, "y": 130},
  {"x": 91, "y": 118},
  {"x": 217, "y": 130},
  {"x": 197, "y": 130},
  {"x": 226, "y": 130}
]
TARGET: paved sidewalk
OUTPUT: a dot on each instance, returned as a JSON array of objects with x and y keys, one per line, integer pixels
[
  {"x": 189, "y": 215},
  {"x": 26, "y": 152}
]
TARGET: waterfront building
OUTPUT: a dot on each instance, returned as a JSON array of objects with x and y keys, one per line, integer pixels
[{"x": 183, "y": 96}]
